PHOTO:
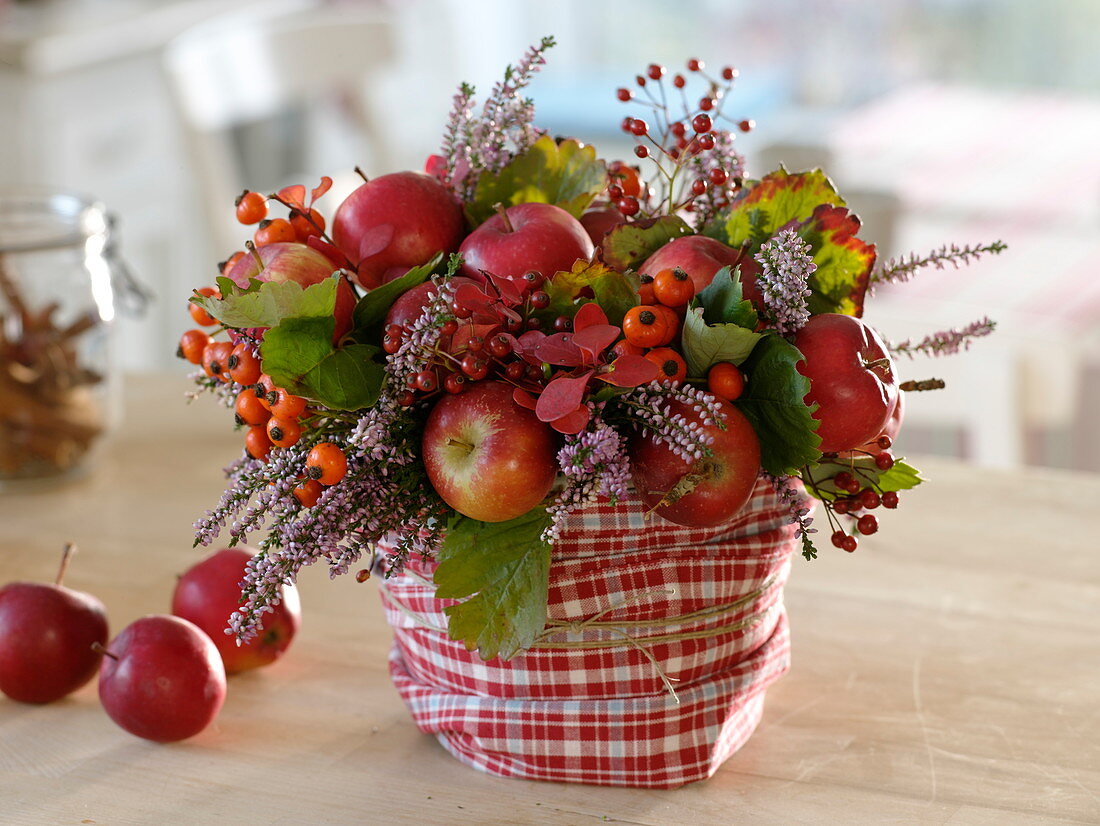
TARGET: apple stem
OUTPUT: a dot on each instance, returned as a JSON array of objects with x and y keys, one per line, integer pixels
[
  {"x": 469, "y": 448},
  {"x": 248, "y": 245},
  {"x": 362, "y": 174},
  {"x": 924, "y": 384},
  {"x": 66, "y": 555},
  {"x": 871, "y": 365},
  {"x": 503, "y": 213},
  {"x": 99, "y": 649}
]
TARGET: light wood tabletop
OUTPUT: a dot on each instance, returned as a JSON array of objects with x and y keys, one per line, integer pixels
[{"x": 948, "y": 672}]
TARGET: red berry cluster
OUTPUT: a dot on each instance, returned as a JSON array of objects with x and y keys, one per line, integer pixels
[{"x": 863, "y": 494}]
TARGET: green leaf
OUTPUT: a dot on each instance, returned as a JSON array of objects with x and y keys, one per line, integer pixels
[
  {"x": 844, "y": 262},
  {"x": 627, "y": 246},
  {"x": 706, "y": 344},
  {"x": 566, "y": 174},
  {"x": 776, "y": 200},
  {"x": 371, "y": 310},
  {"x": 502, "y": 572},
  {"x": 615, "y": 292},
  {"x": 299, "y": 356},
  {"x": 901, "y": 476},
  {"x": 265, "y": 304},
  {"x": 773, "y": 403},
  {"x": 723, "y": 302}
]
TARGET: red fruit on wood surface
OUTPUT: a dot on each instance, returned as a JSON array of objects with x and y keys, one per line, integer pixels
[
  {"x": 162, "y": 679},
  {"x": 210, "y": 591},
  {"x": 489, "y": 458},
  {"x": 46, "y": 637},
  {"x": 852, "y": 379},
  {"x": 304, "y": 266},
  {"x": 709, "y": 491},
  {"x": 701, "y": 257},
  {"x": 526, "y": 237},
  {"x": 395, "y": 222}
]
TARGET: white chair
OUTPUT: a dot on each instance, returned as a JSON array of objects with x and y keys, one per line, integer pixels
[{"x": 243, "y": 68}]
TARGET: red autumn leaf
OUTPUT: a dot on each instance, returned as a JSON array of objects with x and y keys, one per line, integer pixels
[
  {"x": 844, "y": 262},
  {"x": 294, "y": 196},
  {"x": 629, "y": 370},
  {"x": 374, "y": 240},
  {"x": 587, "y": 316},
  {"x": 572, "y": 423},
  {"x": 509, "y": 292},
  {"x": 321, "y": 189},
  {"x": 596, "y": 338},
  {"x": 330, "y": 252},
  {"x": 561, "y": 397},
  {"x": 559, "y": 349},
  {"x": 471, "y": 296},
  {"x": 526, "y": 346},
  {"x": 523, "y": 398}
]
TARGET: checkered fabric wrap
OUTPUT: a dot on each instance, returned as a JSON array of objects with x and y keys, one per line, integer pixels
[{"x": 603, "y": 715}]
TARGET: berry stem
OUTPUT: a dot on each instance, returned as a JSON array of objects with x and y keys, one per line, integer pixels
[
  {"x": 66, "y": 555},
  {"x": 99, "y": 649}
]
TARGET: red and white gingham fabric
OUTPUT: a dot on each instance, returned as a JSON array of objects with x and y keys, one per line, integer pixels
[{"x": 603, "y": 715}]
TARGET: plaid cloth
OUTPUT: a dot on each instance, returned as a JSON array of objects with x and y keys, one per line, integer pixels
[{"x": 604, "y": 715}]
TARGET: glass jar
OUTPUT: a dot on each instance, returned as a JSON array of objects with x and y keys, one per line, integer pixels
[{"x": 61, "y": 284}]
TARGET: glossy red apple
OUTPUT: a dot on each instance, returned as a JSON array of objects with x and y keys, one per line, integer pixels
[
  {"x": 162, "y": 679},
  {"x": 46, "y": 638},
  {"x": 600, "y": 221},
  {"x": 286, "y": 261},
  {"x": 487, "y": 457},
  {"x": 410, "y": 304},
  {"x": 210, "y": 591},
  {"x": 714, "y": 488},
  {"x": 893, "y": 425},
  {"x": 395, "y": 222},
  {"x": 852, "y": 379},
  {"x": 701, "y": 257},
  {"x": 526, "y": 237}
]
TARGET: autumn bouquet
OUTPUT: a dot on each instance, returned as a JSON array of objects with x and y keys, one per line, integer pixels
[{"x": 571, "y": 409}]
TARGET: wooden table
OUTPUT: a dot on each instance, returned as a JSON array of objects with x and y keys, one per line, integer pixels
[{"x": 947, "y": 672}]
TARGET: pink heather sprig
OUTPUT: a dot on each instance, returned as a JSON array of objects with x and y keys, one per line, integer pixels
[
  {"x": 786, "y": 266},
  {"x": 900, "y": 270},
  {"x": 798, "y": 504},
  {"x": 648, "y": 408},
  {"x": 595, "y": 464},
  {"x": 946, "y": 342},
  {"x": 225, "y": 392},
  {"x": 421, "y": 338},
  {"x": 505, "y": 128}
]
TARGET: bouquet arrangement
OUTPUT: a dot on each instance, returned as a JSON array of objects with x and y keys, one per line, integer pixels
[{"x": 469, "y": 358}]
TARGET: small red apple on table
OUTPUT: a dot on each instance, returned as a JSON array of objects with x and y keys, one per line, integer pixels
[
  {"x": 395, "y": 222},
  {"x": 210, "y": 591},
  {"x": 526, "y": 237},
  {"x": 162, "y": 679},
  {"x": 701, "y": 257},
  {"x": 46, "y": 638},
  {"x": 486, "y": 456},
  {"x": 852, "y": 380},
  {"x": 709, "y": 491}
]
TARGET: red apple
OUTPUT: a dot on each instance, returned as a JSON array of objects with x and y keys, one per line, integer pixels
[
  {"x": 526, "y": 237},
  {"x": 487, "y": 457},
  {"x": 410, "y": 304},
  {"x": 162, "y": 679},
  {"x": 725, "y": 479},
  {"x": 852, "y": 379},
  {"x": 46, "y": 638},
  {"x": 893, "y": 425},
  {"x": 396, "y": 222},
  {"x": 701, "y": 257},
  {"x": 210, "y": 591},
  {"x": 286, "y": 261},
  {"x": 600, "y": 221}
]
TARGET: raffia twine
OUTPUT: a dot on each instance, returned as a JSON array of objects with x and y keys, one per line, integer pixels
[{"x": 621, "y": 629}]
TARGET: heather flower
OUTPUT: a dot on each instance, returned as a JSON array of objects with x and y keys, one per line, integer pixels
[
  {"x": 798, "y": 505},
  {"x": 946, "y": 342},
  {"x": 900, "y": 270},
  {"x": 648, "y": 408},
  {"x": 723, "y": 157},
  {"x": 784, "y": 280}
]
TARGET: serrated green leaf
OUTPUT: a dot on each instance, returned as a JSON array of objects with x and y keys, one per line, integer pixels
[
  {"x": 566, "y": 174},
  {"x": 707, "y": 344},
  {"x": 299, "y": 356},
  {"x": 502, "y": 572},
  {"x": 777, "y": 199},
  {"x": 615, "y": 292},
  {"x": 265, "y": 304},
  {"x": 371, "y": 309},
  {"x": 844, "y": 262},
  {"x": 773, "y": 402},
  {"x": 723, "y": 301},
  {"x": 901, "y": 476},
  {"x": 627, "y": 246}
]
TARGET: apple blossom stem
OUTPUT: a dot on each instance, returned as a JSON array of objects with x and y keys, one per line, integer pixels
[
  {"x": 99, "y": 649},
  {"x": 469, "y": 448},
  {"x": 70, "y": 549},
  {"x": 362, "y": 174},
  {"x": 503, "y": 213},
  {"x": 924, "y": 384}
]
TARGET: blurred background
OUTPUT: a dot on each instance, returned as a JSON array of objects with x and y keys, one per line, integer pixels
[{"x": 944, "y": 121}]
